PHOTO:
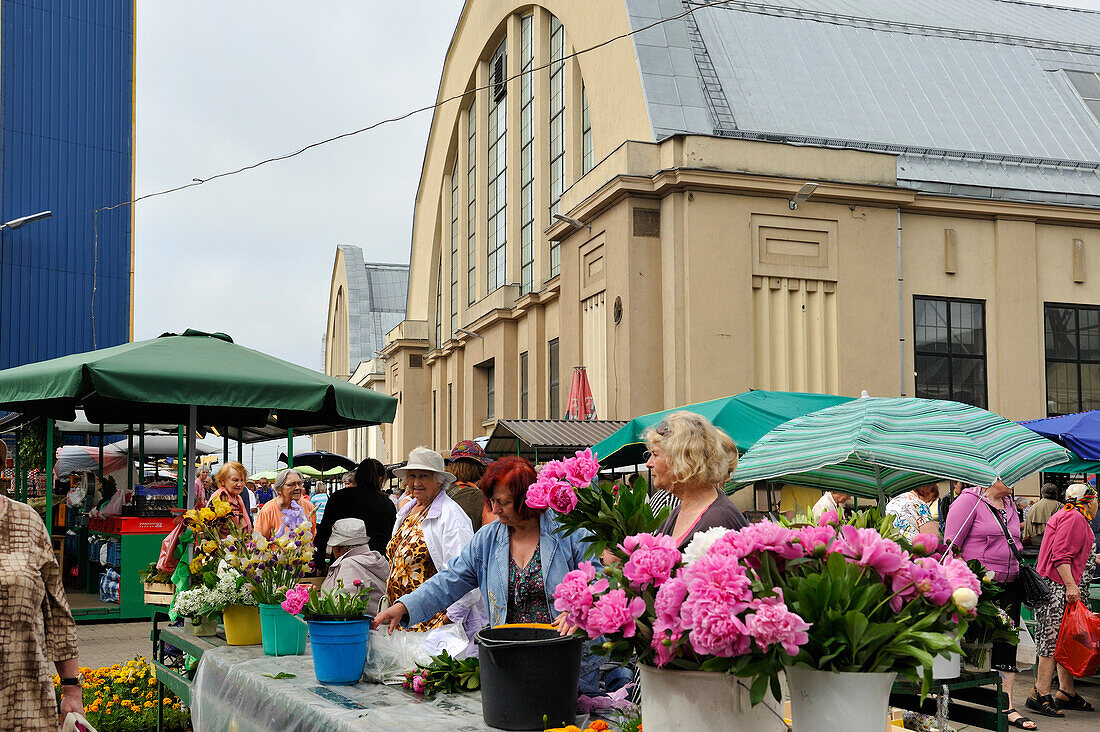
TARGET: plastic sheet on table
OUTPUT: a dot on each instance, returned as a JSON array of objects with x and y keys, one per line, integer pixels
[{"x": 231, "y": 692}]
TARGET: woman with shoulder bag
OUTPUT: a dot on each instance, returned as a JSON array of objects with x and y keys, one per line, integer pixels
[{"x": 983, "y": 524}]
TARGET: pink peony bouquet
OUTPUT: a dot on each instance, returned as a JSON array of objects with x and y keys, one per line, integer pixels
[
  {"x": 749, "y": 602},
  {"x": 607, "y": 512}
]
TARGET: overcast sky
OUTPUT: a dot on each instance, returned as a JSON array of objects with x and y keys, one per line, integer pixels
[{"x": 225, "y": 84}]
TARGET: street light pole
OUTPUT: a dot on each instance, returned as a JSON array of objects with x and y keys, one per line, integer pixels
[{"x": 24, "y": 220}]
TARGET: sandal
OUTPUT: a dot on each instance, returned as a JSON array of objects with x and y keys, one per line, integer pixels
[
  {"x": 1021, "y": 722},
  {"x": 1043, "y": 704},
  {"x": 1076, "y": 702}
]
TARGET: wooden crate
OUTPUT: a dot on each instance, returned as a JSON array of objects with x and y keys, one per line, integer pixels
[{"x": 159, "y": 593}]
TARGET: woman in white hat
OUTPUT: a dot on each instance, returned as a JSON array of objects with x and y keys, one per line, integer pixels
[
  {"x": 430, "y": 531},
  {"x": 356, "y": 561}
]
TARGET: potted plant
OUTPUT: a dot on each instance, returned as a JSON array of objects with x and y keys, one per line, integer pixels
[
  {"x": 339, "y": 626},
  {"x": 157, "y": 584},
  {"x": 271, "y": 567},
  {"x": 828, "y": 603},
  {"x": 202, "y": 604}
]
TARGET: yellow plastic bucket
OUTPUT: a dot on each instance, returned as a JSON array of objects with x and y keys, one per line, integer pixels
[{"x": 242, "y": 625}]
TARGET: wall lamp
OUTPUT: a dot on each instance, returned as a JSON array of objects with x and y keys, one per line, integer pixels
[
  {"x": 469, "y": 333},
  {"x": 24, "y": 220},
  {"x": 575, "y": 223},
  {"x": 804, "y": 192}
]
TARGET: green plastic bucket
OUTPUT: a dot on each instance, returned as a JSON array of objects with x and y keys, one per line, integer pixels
[{"x": 282, "y": 634}]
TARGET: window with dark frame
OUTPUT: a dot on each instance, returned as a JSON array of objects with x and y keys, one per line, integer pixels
[
  {"x": 450, "y": 414},
  {"x": 553, "y": 405},
  {"x": 949, "y": 349},
  {"x": 523, "y": 385},
  {"x": 436, "y": 432},
  {"x": 1072, "y": 335},
  {"x": 490, "y": 392}
]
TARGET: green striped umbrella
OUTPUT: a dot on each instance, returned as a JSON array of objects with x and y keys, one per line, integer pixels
[{"x": 878, "y": 447}]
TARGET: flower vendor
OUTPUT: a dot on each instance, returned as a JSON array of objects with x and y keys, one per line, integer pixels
[
  {"x": 692, "y": 459},
  {"x": 516, "y": 562}
]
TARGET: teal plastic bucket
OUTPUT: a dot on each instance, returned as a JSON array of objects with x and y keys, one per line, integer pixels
[
  {"x": 339, "y": 650},
  {"x": 282, "y": 634}
]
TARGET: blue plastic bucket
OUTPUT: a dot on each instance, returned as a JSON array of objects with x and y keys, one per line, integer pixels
[
  {"x": 339, "y": 649},
  {"x": 281, "y": 633}
]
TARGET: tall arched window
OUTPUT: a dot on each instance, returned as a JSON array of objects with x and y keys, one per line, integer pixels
[
  {"x": 471, "y": 204},
  {"x": 439, "y": 301},
  {"x": 526, "y": 156},
  {"x": 557, "y": 129},
  {"x": 454, "y": 248},
  {"x": 497, "y": 224}
]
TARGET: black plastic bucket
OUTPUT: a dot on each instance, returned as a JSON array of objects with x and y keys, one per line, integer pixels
[{"x": 528, "y": 673}]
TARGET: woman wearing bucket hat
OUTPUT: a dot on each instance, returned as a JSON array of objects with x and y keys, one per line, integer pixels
[
  {"x": 431, "y": 530},
  {"x": 467, "y": 464},
  {"x": 356, "y": 561}
]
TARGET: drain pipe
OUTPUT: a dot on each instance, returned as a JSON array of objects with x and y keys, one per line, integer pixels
[{"x": 901, "y": 319}]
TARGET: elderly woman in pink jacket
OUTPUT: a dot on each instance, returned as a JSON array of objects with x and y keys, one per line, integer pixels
[
  {"x": 980, "y": 524},
  {"x": 1067, "y": 562}
]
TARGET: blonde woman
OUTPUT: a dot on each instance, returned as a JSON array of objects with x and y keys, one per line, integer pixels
[{"x": 692, "y": 459}]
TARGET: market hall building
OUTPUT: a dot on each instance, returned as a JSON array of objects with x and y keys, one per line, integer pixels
[{"x": 804, "y": 195}]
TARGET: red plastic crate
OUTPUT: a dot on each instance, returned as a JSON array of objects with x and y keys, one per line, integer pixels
[{"x": 132, "y": 525}]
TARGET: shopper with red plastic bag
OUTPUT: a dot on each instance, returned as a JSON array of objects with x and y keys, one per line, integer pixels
[{"x": 1066, "y": 561}]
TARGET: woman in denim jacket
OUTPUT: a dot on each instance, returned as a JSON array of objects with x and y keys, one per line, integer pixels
[{"x": 516, "y": 562}]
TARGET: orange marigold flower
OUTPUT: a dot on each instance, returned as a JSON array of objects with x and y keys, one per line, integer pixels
[{"x": 599, "y": 726}]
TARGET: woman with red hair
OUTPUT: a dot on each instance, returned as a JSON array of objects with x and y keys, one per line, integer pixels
[{"x": 516, "y": 561}]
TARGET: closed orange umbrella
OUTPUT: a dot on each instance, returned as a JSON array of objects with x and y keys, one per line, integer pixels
[{"x": 580, "y": 404}]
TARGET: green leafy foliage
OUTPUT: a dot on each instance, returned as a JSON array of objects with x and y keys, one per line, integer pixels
[
  {"x": 611, "y": 512},
  {"x": 339, "y": 602},
  {"x": 445, "y": 674},
  {"x": 991, "y": 624}
]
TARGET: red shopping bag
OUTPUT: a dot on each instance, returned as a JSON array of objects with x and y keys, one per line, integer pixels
[{"x": 1078, "y": 648}]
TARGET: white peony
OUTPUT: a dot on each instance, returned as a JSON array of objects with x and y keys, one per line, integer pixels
[
  {"x": 702, "y": 542},
  {"x": 965, "y": 598}
]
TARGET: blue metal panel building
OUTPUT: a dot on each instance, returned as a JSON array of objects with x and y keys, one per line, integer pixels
[{"x": 66, "y": 145}]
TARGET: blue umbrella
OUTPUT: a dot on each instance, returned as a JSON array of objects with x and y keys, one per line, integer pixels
[{"x": 1079, "y": 432}]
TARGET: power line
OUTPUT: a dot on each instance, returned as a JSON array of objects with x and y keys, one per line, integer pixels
[{"x": 390, "y": 120}]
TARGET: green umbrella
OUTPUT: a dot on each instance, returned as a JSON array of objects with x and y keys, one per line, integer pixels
[
  {"x": 269, "y": 474},
  {"x": 744, "y": 417},
  {"x": 258, "y": 396},
  {"x": 878, "y": 447},
  {"x": 311, "y": 472}
]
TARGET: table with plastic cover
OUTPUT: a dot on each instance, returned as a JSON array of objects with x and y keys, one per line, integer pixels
[{"x": 234, "y": 690}]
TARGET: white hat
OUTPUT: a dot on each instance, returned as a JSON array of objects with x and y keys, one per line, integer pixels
[
  {"x": 348, "y": 532},
  {"x": 423, "y": 458}
]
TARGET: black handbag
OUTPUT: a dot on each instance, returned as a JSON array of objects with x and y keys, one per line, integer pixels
[{"x": 1034, "y": 590}]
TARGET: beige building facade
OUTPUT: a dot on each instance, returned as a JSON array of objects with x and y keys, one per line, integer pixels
[{"x": 939, "y": 253}]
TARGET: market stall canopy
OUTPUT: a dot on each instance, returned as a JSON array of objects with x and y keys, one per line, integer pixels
[
  {"x": 1079, "y": 432},
  {"x": 161, "y": 446},
  {"x": 744, "y": 417},
  {"x": 269, "y": 474},
  {"x": 878, "y": 447},
  {"x": 546, "y": 439},
  {"x": 1075, "y": 465},
  {"x": 256, "y": 395}
]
